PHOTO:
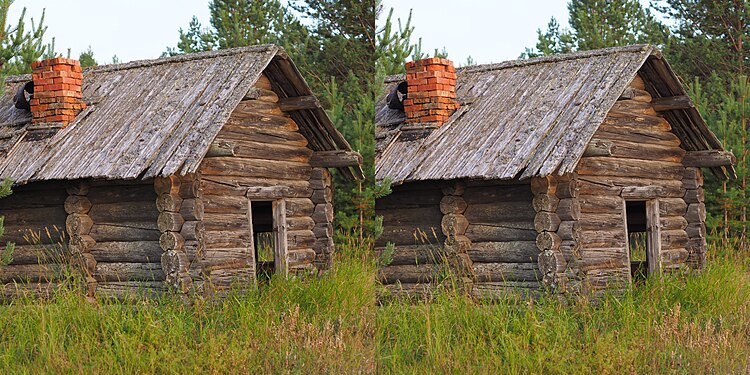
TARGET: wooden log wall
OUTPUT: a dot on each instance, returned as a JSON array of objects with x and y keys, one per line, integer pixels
[
  {"x": 180, "y": 223},
  {"x": 637, "y": 157},
  {"x": 322, "y": 197},
  {"x": 123, "y": 255},
  {"x": 556, "y": 225},
  {"x": 695, "y": 216},
  {"x": 500, "y": 227},
  {"x": 412, "y": 220},
  {"x": 35, "y": 221},
  {"x": 267, "y": 151}
]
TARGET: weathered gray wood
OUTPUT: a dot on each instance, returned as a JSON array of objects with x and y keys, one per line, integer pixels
[
  {"x": 603, "y": 166},
  {"x": 422, "y": 273},
  {"x": 192, "y": 209},
  {"x": 548, "y": 241},
  {"x": 598, "y": 147},
  {"x": 35, "y": 273},
  {"x": 297, "y": 103},
  {"x": 335, "y": 159},
  {"x": 76, "y": 204},
  {"x": 40, "y": 254},
  {"x": 672, "y": 207},
  {"x": 127, "y": 252},
  {"x": 546, "y": 221},
  {"x": 39, "y": 215},
  {"x": 493, "y": 272},
  {"x": 492, "y": 212},
  {"x": 452, "y": 205},
  {"x": 694, "y": 196},
  {"x": 545, "y": 203},
  {"x": 414, "y": 254},
  {"x": 543, "y": 185},
  {"x": 502, "y": 232},
  {"x": 170, "y": 222},
  {"x": 192, "y": 230},
  {"x": 78, "y": 224},
  {"x": 237, "y": 186},
  {"x": 670, "y": 103},
  {"x": 672, "y": 239},
  {"x": 284, "y": 240},
  {"x": 168, "y": 202},
  {"x": 504, "y": 252},
  {"x": 233, "y": 166},
  {"x": 269, "y": 192},
  {"x": 592, "y": 204},
  {"x": 221, "y": 148},
  {"x": 569, "y": 209},
  {"x": 128, "y": 272},
  {"x": 657, "y": 239},
  {"x": 323, "y": 213},
  {"x": 125, "y": 231},
  {"x": 261, "y": 94},
  {"x": 167, "y": 185},
  {"x": 709, "y": 158},
  {"x": 126, "y": 211},
  {"x": 171, "y": 241},
  {"x": 696, "y": 213},
  {"x": 568, "y": 230},
  {"x": 300, "y": 257}
]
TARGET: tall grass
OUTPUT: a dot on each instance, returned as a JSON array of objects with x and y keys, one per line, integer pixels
[
  {"x": 685, "y": 324},
  {"x": 318, "y": 325}
]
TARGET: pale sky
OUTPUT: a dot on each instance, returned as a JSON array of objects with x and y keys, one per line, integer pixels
[{"x": 487, "y": 30}]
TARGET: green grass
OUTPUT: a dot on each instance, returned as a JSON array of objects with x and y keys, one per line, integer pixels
[
  {"x": 679, "y": 324},
  {"x": 322, "y": 325}
]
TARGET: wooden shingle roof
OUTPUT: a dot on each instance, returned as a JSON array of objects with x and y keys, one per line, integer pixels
[
  {"x": 527, "y": 118},
  {"x": 152, "y": 118}
]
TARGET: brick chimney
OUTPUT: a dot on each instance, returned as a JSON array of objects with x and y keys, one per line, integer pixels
[
  {"x": 57, "y": 91},
  {"x": 431, "y": 96}
]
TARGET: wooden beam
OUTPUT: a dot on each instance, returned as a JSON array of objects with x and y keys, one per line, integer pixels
[
  {"x": 669, "y": 103},
  {"x": 270, "y": 192},
  {"x": 297, "y": 103},
  {"x": 708, "y": 158},
  {"x": 598, "y": 147},
  {"x": 221, "y": 148},
  {"x": 335, "y": 159}
]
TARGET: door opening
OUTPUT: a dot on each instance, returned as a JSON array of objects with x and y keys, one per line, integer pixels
[
  {"x": 642, "y": 223},
  {"x": 264, "y": 239}
]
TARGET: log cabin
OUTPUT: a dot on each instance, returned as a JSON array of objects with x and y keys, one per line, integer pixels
[
  {"x": 575, "y": 174},
  {"x": 191, "y": 173}
]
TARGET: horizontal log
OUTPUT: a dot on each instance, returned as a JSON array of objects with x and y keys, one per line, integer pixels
[
  {"x": 237, "y": 186},
  {"x": 493, "y": 212},
  {"x": 299, "y": 257},
  {"x": 296, "y": 103},
  {"x": 222, "y": 279},
  {"x": 638, "y": 134},
  {"x": 673, "y": 257},
  {"x": 413, "y": 254},
  {"x": 33, "y": 234},
  {"x": 31, "y": 216},
  {"x": 601, "y": 221},
  {"x": 551, "y": 263},
  {"x": 639, "y": 95},
  {"x": 171, "y": 241},
  {"x": 36, "y": 273},
  {"x": 411, "y": 235},
  {"x": 43, "y": 290},
  {"x": 672, "y": 207},
  {"x": 401, "y": 216},
  {"x": 694, "y": 230},
  {"x": 696, "y": 213},
  {"x": 694, "y": 196},
  {"x": 128, "y": 290},
  {"x": 106, "y": 213},
  {"x": 300, "y": 239},
  {"x": 593, "y": 204},
  {"x": 76, "y": 204},
  {"x": 498, "y": 193},
  {"x": 39, "y": 254},
  {"x": 604, "y": 258},
  {"x": 568, "y": 230},
  {"x": 280, "y": 133},
  {"x": 543, "y": 185},
  {"x": 450, "y": 204},
  {"x": 323, "y": 213},
  {"x": 405, "y": 291},
  {"x": 454, "y": 224},
  {"x": 258, "y": 107},
  {"x": 226, "y": 239},
  {"x": 598, "y": 147},
  {"x": 501, "y": 232},
  {"x": 672, "y": 222},
  {"x": 166, "y": 185},
  {"x": 78, "y": 223},
  {"x": 602, "y": 166},
  {"x": 493, "y": 272},
  {"x": 125, "y": 232},
  {"x": 633, "y": 107},
  {"x": 409, "y": 199},
  {"x": 168, "y": 202},
  {"x": 261, "y": 94},
  {"x": 192, "y": 230},
  {"x": 127, "y": 252},
  {"x": 128, "y": 272},
  {"x": 323, "y": 230},
  {"x": 503, "y": 290},
  {"x": 225, "y": 222},
  {"x": 34, "y": 199},
  {"x": 324, "y": 195},
  {"x": 611, "y": 185},
  {"x": 709, "y": 158},
  {"x": 669, "y": 103},
  {"x": 267, "y": 151},
  {"x": 504, "y": 252},
  {"x": 673, "y": 239},
  {"x": 422, "y": 273},
  {"x": 256, "y": 168},
  {"x": 335, "y": 159},
  {"x": 613, "y": 238},
  {"x": 220, "y": 148},
  {"x": 692, "y": 178},
  {"x": 190, "y": 187}
]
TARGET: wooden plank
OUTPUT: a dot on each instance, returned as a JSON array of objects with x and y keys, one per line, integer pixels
[
  {"x": 709, "y": 158},
  {"x": 670, "y": 103},
  {"x": 335, "y": 159},
  {"x": 281, "y": 248},
  {"x": 297, "y": 103},
  {"x": 654, "y": 239}
]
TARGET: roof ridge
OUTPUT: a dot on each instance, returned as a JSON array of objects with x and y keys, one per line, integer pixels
[
  {"x": 165, "y": 60},
  {"x": 543, "y": 59}
]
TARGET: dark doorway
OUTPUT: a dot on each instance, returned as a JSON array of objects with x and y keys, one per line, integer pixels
[
  {"x": 264, "y": 238},
  {"x": 643, "y": 237}
]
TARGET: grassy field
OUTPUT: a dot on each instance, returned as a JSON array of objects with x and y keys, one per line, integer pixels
[{"x": 331, "y": 325}]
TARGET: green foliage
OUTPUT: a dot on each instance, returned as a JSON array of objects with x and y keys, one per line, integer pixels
[
  {"x": 87, "y": 58},
  {"x": 6, "y": 255},
  {"x": 676, "y": 324},
  {"x": 313, "y": 326},
  {"x": 20, "y": 47},
  {"x": 599, "y": 24}
]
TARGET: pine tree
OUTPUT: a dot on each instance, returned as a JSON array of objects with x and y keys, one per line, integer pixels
[
  {"x": 19, "y": 47},
  {"x": 599, "y": 24},
  {"x": 87, "y": 58}
]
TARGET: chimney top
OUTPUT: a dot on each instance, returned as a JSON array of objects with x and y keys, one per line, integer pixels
[
  {"x": 57, "y": 91},
  {"x": 431, "y": 92}
]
